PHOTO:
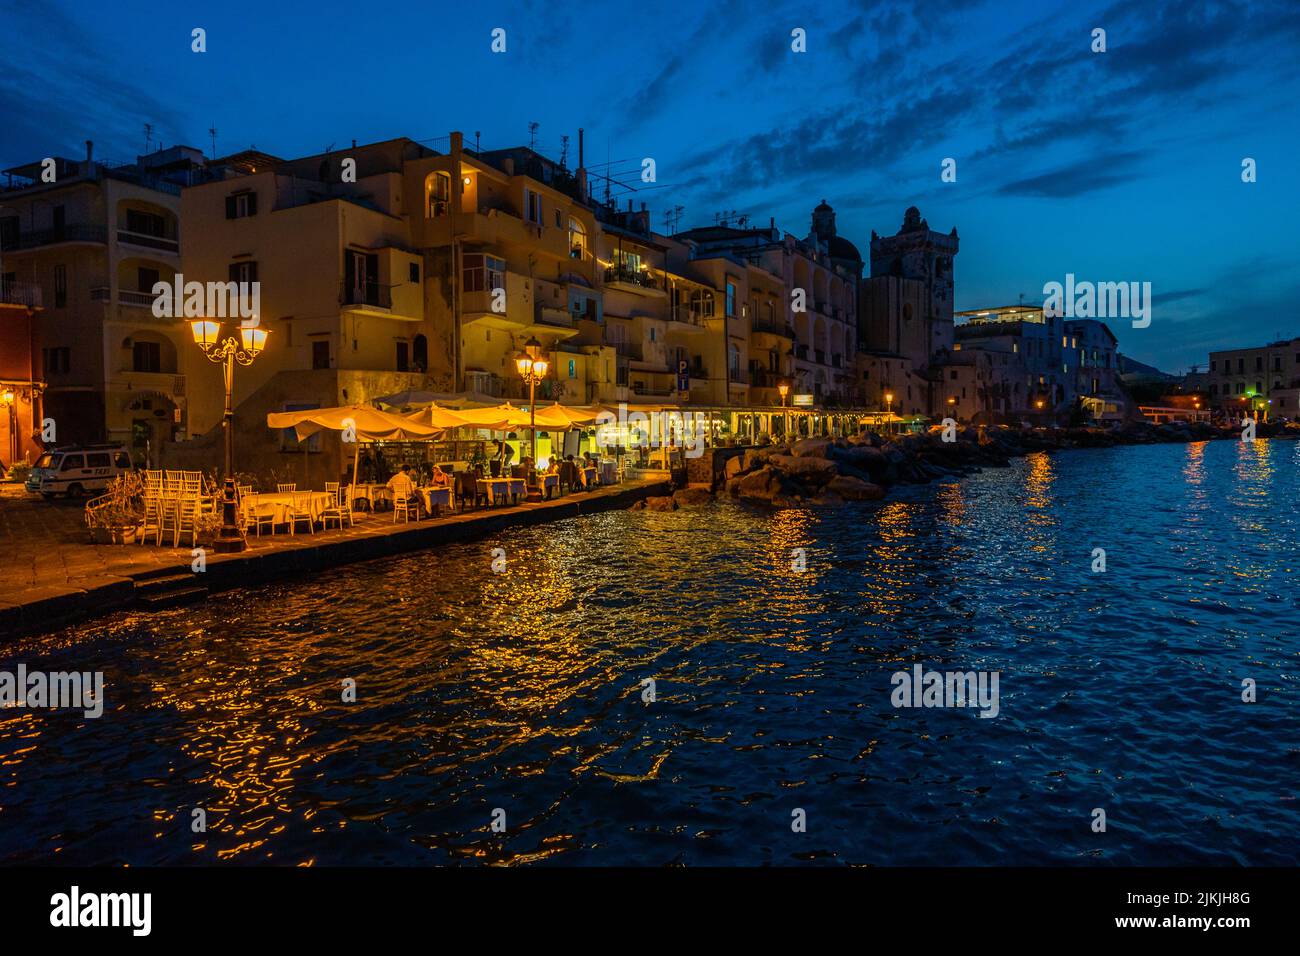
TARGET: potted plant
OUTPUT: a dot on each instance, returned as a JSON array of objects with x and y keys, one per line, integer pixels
[{"x": 114, "y": 517}]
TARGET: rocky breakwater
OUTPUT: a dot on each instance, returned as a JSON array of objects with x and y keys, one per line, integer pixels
[{"x": 863, "y": 467}]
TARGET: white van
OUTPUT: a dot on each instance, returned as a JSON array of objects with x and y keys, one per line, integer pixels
[{"x": 78, "y": 469}]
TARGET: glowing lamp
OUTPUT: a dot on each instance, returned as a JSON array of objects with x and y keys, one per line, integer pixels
[
  {"x": 205, "y": 332},
  {"x": 254, "y": 339}
]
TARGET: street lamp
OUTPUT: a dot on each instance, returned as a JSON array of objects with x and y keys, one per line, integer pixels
[
  {"x": 784, "y": 389},
  {"x": 251, "y": 342},
  {"x": 532, "y": 367},
  {"x": 889, "y": 412},
  {"x": 9, "y": 401}
]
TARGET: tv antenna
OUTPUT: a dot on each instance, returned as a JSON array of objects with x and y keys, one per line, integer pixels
[
  {"x": 564, "y": 152},
  {"x": 532, "y": 134},
  {"x": 212, "y": 131},
  {"x": 148, "y": 137}
]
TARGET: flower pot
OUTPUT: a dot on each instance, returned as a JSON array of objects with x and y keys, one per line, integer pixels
[{"x": 122, "y": 535}]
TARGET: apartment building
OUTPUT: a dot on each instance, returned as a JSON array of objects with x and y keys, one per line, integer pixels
[
  {"x": 1027, "y": 346},
  {"x": 94, "y": 237},
  {"x": 1090, "y": 355},
  {"x": 1242, "y": 378}
]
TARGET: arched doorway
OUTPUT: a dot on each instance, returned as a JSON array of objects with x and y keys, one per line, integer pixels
[{"x": 155, "y": 417}]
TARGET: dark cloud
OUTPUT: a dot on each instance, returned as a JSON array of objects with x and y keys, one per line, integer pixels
[{"x": 1077, "y": 178}]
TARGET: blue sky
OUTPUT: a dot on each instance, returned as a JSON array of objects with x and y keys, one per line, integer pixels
[{"x": 1117, "y": 166}]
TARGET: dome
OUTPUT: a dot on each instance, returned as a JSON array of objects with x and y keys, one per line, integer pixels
[{"x": 841, "y": 248}]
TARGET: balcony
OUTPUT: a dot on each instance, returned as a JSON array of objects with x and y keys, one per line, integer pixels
[
  {"x": 128, "y": 298},
  {"x": 77, "y": 232},
  {"x": 636, "y": 281},
  {"x": 686, "y": 320},
  {"x": 773, "y": 328},
  {"x": 765, "y": 378},
  {"x": 626, "y": 349},
  {"x": 20, "y": 293},
  {"x": 145, "y": 241}
]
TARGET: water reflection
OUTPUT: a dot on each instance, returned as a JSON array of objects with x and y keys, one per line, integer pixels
[{"x": 524, "y": 690}]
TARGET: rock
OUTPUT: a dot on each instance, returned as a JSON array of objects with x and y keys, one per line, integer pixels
[
  {"x": 660, "y": 503},
  {"x": 692, "y": 497},
  {"x": 735, "y": 465},
  {"x": 637, "y": 506},
  {"x": 811, "y": 448},
  {"x": 861, "y": 456},
  {"x": 757, "y": 457},
  {"x": 761, "y": 484},
  {"x": 854, "y": 489},
  {"x": 808, "y": 468}
]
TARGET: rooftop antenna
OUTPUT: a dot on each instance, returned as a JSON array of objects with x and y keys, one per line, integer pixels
[
  {"x": 477, "y": 134},
  {"x": 532, "y": 134},
  {"x": 212, "y": 131},
  {"x": 148, "y": 137},
  {"x": 564, "y": 152}
]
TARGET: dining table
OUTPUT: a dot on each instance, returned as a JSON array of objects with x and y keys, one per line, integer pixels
[
  {"x": 434, "y": 497},
  {"x": 501, "y": 488},
  {"x": 280, "y": 504},
  {"x": 608, "y": 471},
  {"x": 371, "y": 494}
]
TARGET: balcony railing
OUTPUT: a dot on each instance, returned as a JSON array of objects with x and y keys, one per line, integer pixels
[
  {"x": 127, "y": 297},
  {"x": 76, "y": 232},
  {"x": 687, "y": 316},
  {"x": 773, "y": 328},
  {"x": 20, "y": 293},
  {"x": 147, "y": 241},
  {"x": 369, "y": 293},
  {"x": 631, "y": 276}
]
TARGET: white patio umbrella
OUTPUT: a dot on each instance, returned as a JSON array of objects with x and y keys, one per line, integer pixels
[{"x": 367, "y": 423}]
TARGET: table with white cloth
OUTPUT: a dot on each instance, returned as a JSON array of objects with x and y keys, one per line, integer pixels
[
  {"x": 550, "y": 484},
  {"x": 370, "y": 494},
  {"x": 496, "y": 488},
  {"x": 608, "y": 472},
  {"x": 592, "y": 476},
  {"x": 434, "y": 497},
  {"x": 280, "y": 504}
]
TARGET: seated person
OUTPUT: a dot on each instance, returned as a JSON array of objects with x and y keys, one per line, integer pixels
[
  {"x": 402, "y": 487},
  {"x": 439, "y": 478}
]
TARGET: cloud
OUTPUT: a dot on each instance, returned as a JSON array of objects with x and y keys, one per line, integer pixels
[{"x": 1077, "y": 178}]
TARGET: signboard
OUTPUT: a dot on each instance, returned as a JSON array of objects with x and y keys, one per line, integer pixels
[
  {"x": 683, "y": 376},
  {"x": 802, "y": 401}
]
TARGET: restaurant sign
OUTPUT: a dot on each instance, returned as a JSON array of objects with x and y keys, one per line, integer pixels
[{"x": 802, "y": 401}]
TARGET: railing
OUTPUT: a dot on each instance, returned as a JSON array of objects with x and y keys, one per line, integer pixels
[
  {"x": 371, "y": 293},
  {"x": 631, "y": 276},
  {"x": 127, "y": 297},
  {"x": 149, "y": 242},
  {"x": 76, "y": 232},
  {"x": 20, "y": 293},
  {"x": 773, "y": 328},
  {"x": 687, "y": 316}
]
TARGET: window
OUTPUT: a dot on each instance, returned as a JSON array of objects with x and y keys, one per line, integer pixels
[
  {"x": 245, "y": 271},
  {"x": 403, "y": 356},
  {"x": 241, "y": 205},
  {"x": 59, "y": 220},
  {"x": 414, "y": 272},
  {"x": 483, "y": 273},
  {"x": 361, "y": 278},
  {"x": 320, "y": 353},
  {"x": 121, "y": 460},
  {"x": 1241, "y": 366},
  {"x": 653, "y": 332},
  {"x": 702, "y": 304},
  {"x": 573, "y": 368},
  {"x": 60, "y": 286},
  {"x": 577, "y": 240},
  {"x": 533, "y": 207},
  {"x": 73, "y": 462},
  {"x": 98, "y": 460},
  {"x": 1277, "y": 363},
  {"x": 145, "y": 223},
  {"x": 731, "y": 299},
  {"x": 1259, "y": 363},
  {"x": 8, "y": 232},
  {"x": 420, "y": 353},
  {"x": 145, "y": 279},
  {"x": 559, "y": 219},
  {"x": 57, "y": 361},
  {"x": 146, "y": 357},
  {"x": 439, "y": 195}
]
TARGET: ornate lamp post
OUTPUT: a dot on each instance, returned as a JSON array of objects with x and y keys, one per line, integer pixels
[
  {"x": 784, "y": 389},
  {"x": 889, "y": 412},
  {"x": 251, "y": 342},
  {"x": 532, "y": 367}
]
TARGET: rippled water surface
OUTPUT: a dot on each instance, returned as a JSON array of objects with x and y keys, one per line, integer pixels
[{"x": 523, "y": 691}]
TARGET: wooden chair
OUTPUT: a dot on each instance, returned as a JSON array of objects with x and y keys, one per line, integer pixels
[
  {"x": 300, "y": 510},
  {"x": 153, "y": 511},
  {"x": 285, "y": 487},
  {"x": 404, "y": 507},
  {"x": 340, "y": 507},
  {"x": 187, "y": 521},
  {"x": 253, "y": 518}
]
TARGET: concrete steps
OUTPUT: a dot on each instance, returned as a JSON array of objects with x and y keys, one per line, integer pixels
[{"x": 158, "y": 591}]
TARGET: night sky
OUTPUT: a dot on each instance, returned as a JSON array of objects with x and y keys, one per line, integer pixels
[{"x": 1117, "y": 166}]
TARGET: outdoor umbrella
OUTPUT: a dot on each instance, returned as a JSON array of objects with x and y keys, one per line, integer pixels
[{"x": 367, "y": 422}]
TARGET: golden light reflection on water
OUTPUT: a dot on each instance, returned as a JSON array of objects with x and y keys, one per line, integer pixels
[{"x": 1041, "y": 517}]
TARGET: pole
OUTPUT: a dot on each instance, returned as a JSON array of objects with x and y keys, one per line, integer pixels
[{"x": 231, "y": 538}]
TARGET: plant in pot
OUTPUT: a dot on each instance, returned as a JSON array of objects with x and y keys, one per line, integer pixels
[{"x": 114, "y": 517}]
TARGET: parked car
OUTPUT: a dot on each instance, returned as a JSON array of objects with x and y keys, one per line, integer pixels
[{"x": 78, "y": 469}]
